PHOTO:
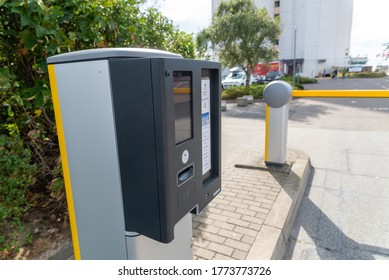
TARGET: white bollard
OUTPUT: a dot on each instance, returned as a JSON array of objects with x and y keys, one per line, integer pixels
[{"x": 277, "y": 96}]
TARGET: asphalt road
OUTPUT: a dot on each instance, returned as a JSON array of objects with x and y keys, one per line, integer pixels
[
  {"x": 345, "y": 211},
  {"x": 379, "y": 83}
]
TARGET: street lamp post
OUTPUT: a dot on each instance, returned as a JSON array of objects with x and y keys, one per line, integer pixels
[{"x": 294, "y": 54}]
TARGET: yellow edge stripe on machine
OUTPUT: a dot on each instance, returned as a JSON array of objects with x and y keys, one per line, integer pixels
[
  {"x": 267, "y": 132},
  {"x": 341, "y": 93},
  {"x": 65, "y": 166}
]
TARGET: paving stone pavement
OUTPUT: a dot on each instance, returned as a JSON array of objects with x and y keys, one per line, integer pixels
[
  {"x": 253, "y": 215},
  {"x": 228, "y": 228}
]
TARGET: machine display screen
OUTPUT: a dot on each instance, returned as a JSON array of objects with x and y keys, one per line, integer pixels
[{"x": 182, "y": 105}]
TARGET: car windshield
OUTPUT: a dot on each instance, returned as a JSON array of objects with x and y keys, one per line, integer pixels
[
  {"x": 272, "y": 74},
  {"x": 237, "y": 76}
]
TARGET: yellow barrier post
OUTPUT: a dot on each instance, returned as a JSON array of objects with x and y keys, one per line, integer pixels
[{"x": 320, "y": 94}]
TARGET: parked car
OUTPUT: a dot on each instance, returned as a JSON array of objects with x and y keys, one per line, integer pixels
[
  {"x": 272, "y": 76},
  {"x": 259, "y": 79},
  {"x": 235, "y": 78}
]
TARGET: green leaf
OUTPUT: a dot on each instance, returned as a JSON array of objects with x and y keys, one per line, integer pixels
[
  {"x": 72, "y": 36},
  {"x": 25, "y": 18},
  {"x": 5, "y": 82},
  {"x": 41, "y": 31},
  {"x": 55, "y": 11},
  {"x": 28, "y": 38},
  {"x": 2, "y": 140}
]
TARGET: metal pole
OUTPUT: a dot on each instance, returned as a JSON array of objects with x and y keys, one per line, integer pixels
[
  {"x": 277, "y": 95},
  {"x": 294, "y": 55}
]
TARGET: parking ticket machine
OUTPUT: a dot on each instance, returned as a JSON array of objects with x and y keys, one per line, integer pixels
[{"x": 139, "y": 134}]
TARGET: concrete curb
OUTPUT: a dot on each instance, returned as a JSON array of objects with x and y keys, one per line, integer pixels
[{"x": 270, "y": 243}]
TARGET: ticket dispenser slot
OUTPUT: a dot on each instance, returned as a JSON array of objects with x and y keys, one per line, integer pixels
[{"x": 184, "y": 175}]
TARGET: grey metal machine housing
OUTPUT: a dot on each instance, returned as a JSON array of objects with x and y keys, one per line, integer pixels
[{"x": 137, "y": 128}]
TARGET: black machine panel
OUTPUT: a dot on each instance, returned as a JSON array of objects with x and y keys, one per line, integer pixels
[{"x": 168, "y": 142}]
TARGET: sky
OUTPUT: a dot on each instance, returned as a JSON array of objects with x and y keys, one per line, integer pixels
[
  {"x": 191, "y": 15},
  {"x": 369, "y": 32},
  {"x": 370, "y": 29}
]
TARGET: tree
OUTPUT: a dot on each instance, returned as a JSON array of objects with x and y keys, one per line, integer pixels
[
  {"x": 30, "y": 31},
  {"x": 241, "y": 34}
]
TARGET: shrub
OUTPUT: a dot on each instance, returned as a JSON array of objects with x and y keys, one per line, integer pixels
[
  {"x": 16, "y": 175},
  {"x": 33, "y": 30},
  {"x": 234, "y": 92},
  {"x": 255, "y": 90},
  {"x": 30, "y": 31},
  {"x": 299, "y": 79},
  {"x": 306, "y": 80},
  {"x": 367, "y": 75},
  {"x": 298, "y": 86}
]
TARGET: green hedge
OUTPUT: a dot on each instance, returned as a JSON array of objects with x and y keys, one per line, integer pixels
[
  {"x": 255, "y": 90},
  {"x": 367, "y": 75},
  {"x": 235, "y": 92},
  {"x": 300, "y": 79}
]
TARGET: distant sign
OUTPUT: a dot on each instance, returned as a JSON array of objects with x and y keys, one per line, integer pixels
[
  {"x": 359, "y": 60},
  {"x": 355, "y": 69},
  {"x": 274, "y": 66}
]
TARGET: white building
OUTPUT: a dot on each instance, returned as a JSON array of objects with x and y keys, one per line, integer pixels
[{"x": 322, "y": 29}]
